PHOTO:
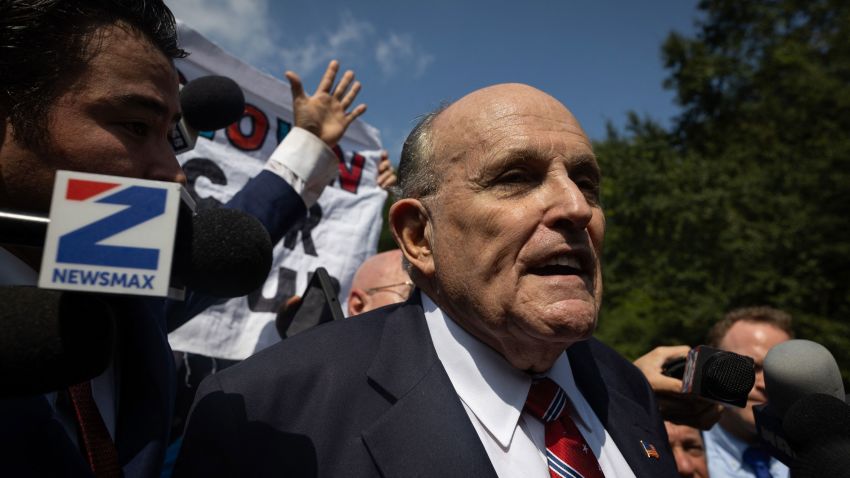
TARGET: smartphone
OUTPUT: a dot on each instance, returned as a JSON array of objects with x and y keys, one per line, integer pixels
[{"x": 319, "y": 304}]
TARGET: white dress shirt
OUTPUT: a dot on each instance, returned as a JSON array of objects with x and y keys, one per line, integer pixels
[
  {"x": 305, "y": 162},
  {"x": 725, "y": 455},
  {"x": 493, "y": 393}
]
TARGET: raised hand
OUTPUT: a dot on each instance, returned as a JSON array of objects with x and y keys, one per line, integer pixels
[{"x": 324, "y": 113}]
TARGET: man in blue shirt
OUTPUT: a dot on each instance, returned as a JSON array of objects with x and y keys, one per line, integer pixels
[{"x": 732, "y": 445}]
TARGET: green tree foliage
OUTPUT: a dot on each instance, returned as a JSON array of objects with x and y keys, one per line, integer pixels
[{"x": 745, "y": 201}]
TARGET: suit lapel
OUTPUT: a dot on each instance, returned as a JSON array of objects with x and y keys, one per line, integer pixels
[
  {"x": 426, "y": 431},
  {"x": 625, "y": 420}
]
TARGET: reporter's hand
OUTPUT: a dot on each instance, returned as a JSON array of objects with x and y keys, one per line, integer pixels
[
  {"x": 324, "y": 113},
  {"x": 386, "y": 172},
  {"x": 674, "y": 405},
  {"x": 652, "y": 364}
]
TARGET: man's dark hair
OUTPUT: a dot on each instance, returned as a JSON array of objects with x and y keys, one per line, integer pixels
[
  {"x": 417, "y": 175},
  {"x": 761, "y": 314},
  {"x": 44, "y": 47}
]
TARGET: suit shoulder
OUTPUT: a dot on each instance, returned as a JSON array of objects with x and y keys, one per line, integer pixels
[
  {"x": 341, "y": 347},
  {"x": 616, "y": 365}
]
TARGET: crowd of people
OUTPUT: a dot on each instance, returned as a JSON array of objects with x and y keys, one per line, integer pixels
[{"x": 472, "y": 350}]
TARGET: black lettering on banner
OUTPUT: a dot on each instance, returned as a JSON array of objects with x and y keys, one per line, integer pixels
[
  {"x": 202, "y": 167},
  {"x": 349, "y": 178},
  {"x": 305, "y": 226},
  {"x": 256, "y": 136},
  {"x": 257, "y": 302}
]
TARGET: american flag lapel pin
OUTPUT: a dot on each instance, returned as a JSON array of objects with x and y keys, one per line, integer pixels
[{"x": 650, "y": 450}]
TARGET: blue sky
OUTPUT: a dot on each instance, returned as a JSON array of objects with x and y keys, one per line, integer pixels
[{"x": 601, "y": 58}]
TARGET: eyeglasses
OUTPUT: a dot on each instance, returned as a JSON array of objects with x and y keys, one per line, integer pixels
[{"x": 388, "y": 288}]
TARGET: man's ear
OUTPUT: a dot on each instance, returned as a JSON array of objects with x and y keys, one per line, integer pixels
[
  {"x": 410, "y": 223},
  {"x": 358, "y": 300}
]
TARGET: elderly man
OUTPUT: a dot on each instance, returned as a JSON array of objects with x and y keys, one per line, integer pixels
[
  {"x": 90, "y": 86},
  {"x": 380, "y": 280},
  {"x": 489, "y": 369}
]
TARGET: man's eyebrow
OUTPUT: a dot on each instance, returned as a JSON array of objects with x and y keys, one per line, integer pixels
[
  {"x": 131, "y": 100},
  {"x": 586, "y": 160}
]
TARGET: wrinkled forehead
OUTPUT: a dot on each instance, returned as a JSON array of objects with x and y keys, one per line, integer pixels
[{"x": 490, "y": 117}]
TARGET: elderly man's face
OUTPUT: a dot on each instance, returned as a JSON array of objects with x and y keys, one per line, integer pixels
[
  {"x": 516, "y": 226},
  {"x": 114, "y": 119}
]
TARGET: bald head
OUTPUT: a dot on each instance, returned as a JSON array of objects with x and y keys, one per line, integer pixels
[
  {"x": 464, "y": 124},
  {"x": 498, "y": 106},
  {"x": 377, "y": 272}
]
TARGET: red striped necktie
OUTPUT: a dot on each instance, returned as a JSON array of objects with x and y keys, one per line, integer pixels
[
  {"x": 568, "y": 454},
  {"x": 95, "y": 440}
]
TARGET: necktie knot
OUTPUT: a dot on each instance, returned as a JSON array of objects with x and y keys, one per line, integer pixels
[
  {"x": 758, "y": 460},
  {"x": 546, "y": 400}
]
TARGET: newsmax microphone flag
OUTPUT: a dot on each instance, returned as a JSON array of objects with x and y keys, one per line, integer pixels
[{"x": 110, "y": 234}]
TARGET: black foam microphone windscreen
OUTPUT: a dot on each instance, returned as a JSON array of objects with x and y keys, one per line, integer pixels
[
  {"x": 816, "y": 417},
  {"x": 825, "y": 459},
  {"x": 212, "y": 102},
  {"x": 230, "y": 253},
  {"x": 50, "y": 339}
]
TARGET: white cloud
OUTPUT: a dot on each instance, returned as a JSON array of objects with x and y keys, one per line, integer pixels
[
  {"x": 247, "y": 29},
  {"x": 239, "y": 26},
  {"x": 344, "y": 42},
  {"x": 399, "y": 51}
]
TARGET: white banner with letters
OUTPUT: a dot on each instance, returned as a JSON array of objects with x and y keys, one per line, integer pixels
[{"x": 339, "y": 232}]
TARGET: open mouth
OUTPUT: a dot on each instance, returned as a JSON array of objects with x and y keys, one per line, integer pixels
[
  {"x": 555, "y": 271},
  {"x": 558, "y": 266}
]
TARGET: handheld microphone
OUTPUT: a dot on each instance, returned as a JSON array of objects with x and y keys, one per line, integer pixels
[
  {"x": 208, "y": 103},
  {"x": 52, "y": 339},
  {"x": 717, "y": 375},
  {"x": 793, "y": 370},
  {"x": 818, "y": 428},
  {"x": 221, "y": 252}
]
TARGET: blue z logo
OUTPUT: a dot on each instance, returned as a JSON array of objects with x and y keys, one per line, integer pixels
[{"x": 81, "y": 246}]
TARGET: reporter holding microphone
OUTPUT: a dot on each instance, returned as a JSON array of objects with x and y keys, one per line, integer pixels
[{"x": 90, "y": 86}]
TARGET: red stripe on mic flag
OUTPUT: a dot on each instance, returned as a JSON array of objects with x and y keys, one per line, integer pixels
[{"x": 80, "y": 190}]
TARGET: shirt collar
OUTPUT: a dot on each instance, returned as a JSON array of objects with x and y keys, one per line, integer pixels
[
  {"x": 487, "y": 384},
  {"x": 731, "y": 445}
]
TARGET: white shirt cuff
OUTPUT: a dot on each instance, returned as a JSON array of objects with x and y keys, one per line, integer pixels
[{"x": 305, "y": 162}]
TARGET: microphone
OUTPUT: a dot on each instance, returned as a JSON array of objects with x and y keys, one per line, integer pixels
[
  {"x": 208, "y": 103},
  {"x": 797, "y": 368},
  {"x": 225, "y": 253},
  {"x": 52, "y": 339},
  {"x": 793, "y": 370},
  {"x": 717, "y": 375},
  {"x": 818, "y": 428},
  {"x": 221, "y": 252}
]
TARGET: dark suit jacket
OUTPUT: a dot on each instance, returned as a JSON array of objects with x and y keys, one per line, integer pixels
[
  {"x": 32, "y": 440},
  {"x": 369, "y": 397}
]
